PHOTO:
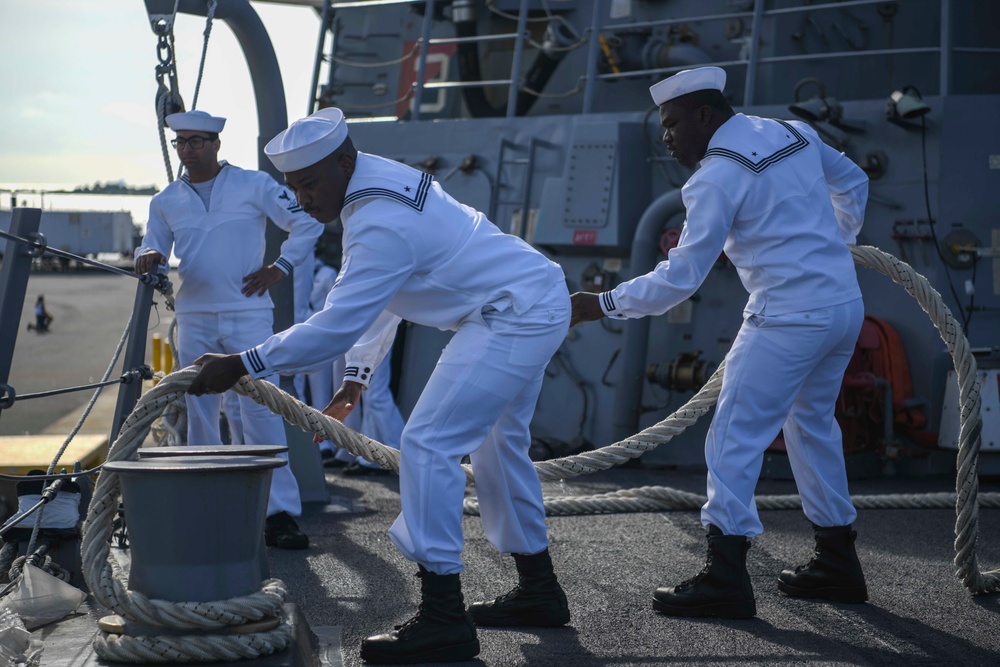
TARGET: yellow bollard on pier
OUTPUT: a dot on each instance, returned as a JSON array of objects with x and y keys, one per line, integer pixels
[
  {"x": 157, "y": 352},
  {"x": 168, "y": 358}
]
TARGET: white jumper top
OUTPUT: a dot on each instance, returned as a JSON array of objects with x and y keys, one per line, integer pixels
[
  {"x": 412, "y": 250},
  {"x": 783, "y": 206},
  {"x": 219, "y": 245}
]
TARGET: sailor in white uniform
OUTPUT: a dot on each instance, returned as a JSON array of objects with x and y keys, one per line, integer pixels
[
  {"x": 415, "y": 252},
  {"x": 325, "y": 378},
  {"x": 375, "y": 413},
  {"x": 213, "y": 218},
  {"x": 784, "y": 207},
  {"x": 379, "y": 417},
  {"x": 364, "y": 394},
  {"x": 301, "y": 288}
]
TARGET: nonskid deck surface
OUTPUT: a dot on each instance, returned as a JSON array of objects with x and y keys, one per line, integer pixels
[
  {"x": 352, "y": 583},
  {"x": 919, "y": 613}
]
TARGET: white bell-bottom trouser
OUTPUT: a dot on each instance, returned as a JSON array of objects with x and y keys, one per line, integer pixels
[
  {"x": 783, "y": 372},
  {"x": 231, "y": 333},
  {"x": 479, "y": 402}
]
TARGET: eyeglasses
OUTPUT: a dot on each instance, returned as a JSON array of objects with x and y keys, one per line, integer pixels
[{"x": 193, "y": 142}]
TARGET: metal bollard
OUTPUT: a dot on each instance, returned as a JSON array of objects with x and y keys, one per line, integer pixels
[
  {"x": 221, "y": 450},
  {"x": 195, "y": 524},
  {"x": 211, "y": 450}
]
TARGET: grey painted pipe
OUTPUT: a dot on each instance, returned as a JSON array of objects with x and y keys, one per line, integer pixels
[{"x": 645, "y": 245}]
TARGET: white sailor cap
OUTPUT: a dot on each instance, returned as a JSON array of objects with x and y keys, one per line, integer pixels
[
  {"x": 307, "y": 140},
  {"x": 688, "y": 81},
  {"x": 195, "y": 120}
]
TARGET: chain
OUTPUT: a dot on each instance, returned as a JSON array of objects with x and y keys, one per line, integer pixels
[{"x": 168, "y": 99}]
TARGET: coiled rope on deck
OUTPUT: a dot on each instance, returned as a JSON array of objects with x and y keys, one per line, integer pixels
[
  {"x": 971, "y": 420},
  {"x": 662, "y": 498}
]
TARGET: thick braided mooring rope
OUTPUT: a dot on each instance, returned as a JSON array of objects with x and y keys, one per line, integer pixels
[
  {"x": 267, "y": 602},
  {"x": 970, "y": 400},
  {"x": 966, "y": 500}
]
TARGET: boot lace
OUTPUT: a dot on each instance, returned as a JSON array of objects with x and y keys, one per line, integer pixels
[
  {"x": 813, "y": 562},
  {"x": 528, "y": 587},
  {"x": 689, "y": 583},
  {"x": 509, "y": 595},
  {"x": 411, "y": 624}
]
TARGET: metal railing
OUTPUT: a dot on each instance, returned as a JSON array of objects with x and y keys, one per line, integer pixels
[
  {"x": 23, "y": 244},
  {"x": 590, "y": 80}
]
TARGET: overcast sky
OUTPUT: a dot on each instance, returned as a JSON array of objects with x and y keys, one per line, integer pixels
[{"x": 78, "y": 84}]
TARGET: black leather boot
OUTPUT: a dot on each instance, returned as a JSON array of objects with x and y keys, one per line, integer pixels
[
  {"x": 834, "y": 573},
  {"x": 537, "y": 600},
  {"x": 441, "y": 630},
  {"x": 722, "y": 588}
]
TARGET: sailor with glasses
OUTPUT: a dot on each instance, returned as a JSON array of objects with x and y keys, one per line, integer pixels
[
  {"x": 196, "y": 142},
  {"x": 213, "y": 218}
]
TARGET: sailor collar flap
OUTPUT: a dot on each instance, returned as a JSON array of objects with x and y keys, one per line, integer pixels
[
  {"x": 756, "y": 143},
  {"x": 378, "y": 177},
  {"x": 184, "y": 178}
]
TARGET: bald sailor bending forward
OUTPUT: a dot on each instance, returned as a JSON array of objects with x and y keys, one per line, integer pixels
[
  {"x": 415, "y": 252},
  {"x": 783, "y": 206}
]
